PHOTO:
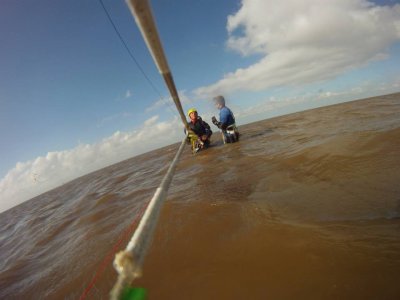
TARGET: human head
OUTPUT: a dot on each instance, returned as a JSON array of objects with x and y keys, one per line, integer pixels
[
  {"x": 192, "y": 113},
  {"x": 219, "y": 101}
]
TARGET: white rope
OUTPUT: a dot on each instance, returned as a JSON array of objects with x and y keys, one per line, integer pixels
[
  {"x": 144, "y": 19},
  {"x": 128, "y": 263}
]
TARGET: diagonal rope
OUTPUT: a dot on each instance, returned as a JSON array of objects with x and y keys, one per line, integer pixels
[
  {"x": 128, "y": 263},
  {"x": 108, "y": 258},
  {"x": 144, "y": 19},
  {"x": 133, "y": 57},
  {"x": 128, "y": 50}
]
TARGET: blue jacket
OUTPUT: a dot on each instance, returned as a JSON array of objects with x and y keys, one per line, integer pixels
[{"x": 226, "y": 117}]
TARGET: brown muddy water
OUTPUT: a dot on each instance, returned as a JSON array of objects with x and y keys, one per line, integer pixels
[{"x": 305, "y": 206}]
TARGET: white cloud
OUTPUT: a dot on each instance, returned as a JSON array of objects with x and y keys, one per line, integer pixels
[
  {"x": 128, "y": 94},
  {"x": 268, "y": 105},
  {"x": 168, "y": 102},
  {"x": 312, "y": 99},
  {"x": 113, "y": 118},
  {"x": 29, "y": 179},
  {"x": 305, "y": 41},
  {"x": 158, "y": 104},
  {"x": 151, "y": 121}
]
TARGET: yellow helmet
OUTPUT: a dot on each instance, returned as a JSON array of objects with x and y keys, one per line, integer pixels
[{"x": 191, "y": 110}]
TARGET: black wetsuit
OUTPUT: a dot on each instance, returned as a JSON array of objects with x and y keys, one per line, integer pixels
[{"x": 201, "y": 128}]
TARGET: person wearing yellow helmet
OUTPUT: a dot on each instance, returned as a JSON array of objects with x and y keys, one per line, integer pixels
[
  {"x": 191, "y": 110},
  {"x": 200, "y": 128}
]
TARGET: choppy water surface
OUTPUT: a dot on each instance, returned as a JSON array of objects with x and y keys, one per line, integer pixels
[{"x": 305, "y": 206}]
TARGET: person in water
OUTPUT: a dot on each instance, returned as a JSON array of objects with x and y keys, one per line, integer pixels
[
  {"x": 226, "y": 123},
  {"x": 201, "y": 129}
]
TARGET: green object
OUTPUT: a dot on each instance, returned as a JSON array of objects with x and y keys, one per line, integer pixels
[{"x": 131, "y": 293}]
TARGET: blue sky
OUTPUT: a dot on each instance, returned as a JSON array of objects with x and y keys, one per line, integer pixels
[{"x": 73, "y": 101}]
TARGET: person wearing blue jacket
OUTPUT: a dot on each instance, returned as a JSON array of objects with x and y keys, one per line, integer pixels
[{"x": 226, "y": 122}]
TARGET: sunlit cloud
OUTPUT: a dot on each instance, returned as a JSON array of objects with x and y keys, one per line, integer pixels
[
  {"x": 113, "y": 118},
  {"x": 128, "y": 94},
  {"x": 31, "y": 178},
  {"x": 305, "y": 41},
  {"x": 151, "y": 121},
  {"x": 271, "y": 105},
  {"x": 268, "y": 105},
  {"x": 168, "y": 103}
]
